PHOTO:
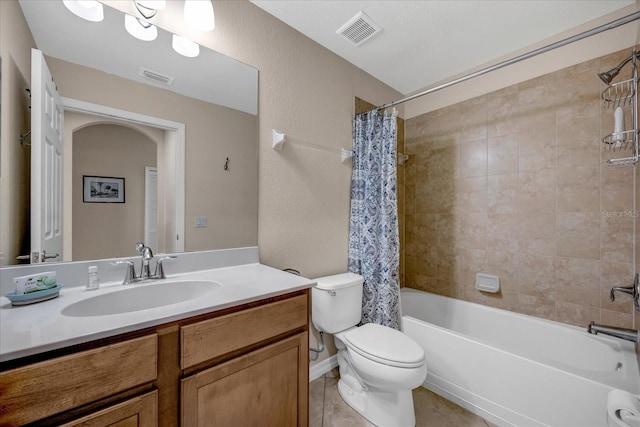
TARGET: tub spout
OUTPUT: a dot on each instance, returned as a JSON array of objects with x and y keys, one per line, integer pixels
[{"x": 632, "y": 335}]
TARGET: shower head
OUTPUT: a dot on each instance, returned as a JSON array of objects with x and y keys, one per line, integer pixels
[{"x": 608, "y": 77}]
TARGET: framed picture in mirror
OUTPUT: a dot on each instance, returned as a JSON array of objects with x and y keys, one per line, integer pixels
[{"x": 102, "y": 189}]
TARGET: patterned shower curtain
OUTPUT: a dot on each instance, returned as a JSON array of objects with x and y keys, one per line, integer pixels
[{"x": 374, "y": 250}]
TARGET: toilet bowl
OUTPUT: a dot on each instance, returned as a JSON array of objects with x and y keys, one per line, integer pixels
[{"x": 379, "y": 366}]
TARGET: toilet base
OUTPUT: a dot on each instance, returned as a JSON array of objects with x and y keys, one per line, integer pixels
[{"x": 383, "y": 409}]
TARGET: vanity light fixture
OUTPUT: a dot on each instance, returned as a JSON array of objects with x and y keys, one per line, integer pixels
[
  {"x": 149, "y": 8},
  {"x": 91, "y": 10},
  {"x": 198, "y": 14},
  {"x": 185, "y": 47},
  {"x": 139, "y": 28}
]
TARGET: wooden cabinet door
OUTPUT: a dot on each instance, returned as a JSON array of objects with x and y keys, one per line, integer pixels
[
  {"x": 267, "y": 387},
  {"x": 140, "y": 411},
  {"x": 34, "y": 392}
]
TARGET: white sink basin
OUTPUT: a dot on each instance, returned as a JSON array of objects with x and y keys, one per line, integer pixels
[{"x": 137, "y": 297}]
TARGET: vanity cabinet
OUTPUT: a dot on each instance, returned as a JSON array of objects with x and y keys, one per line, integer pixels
[
  {"x": 40, "y": 390},
  {"x": 266, "y": 386},
  {"x": 244, "y": 365}
]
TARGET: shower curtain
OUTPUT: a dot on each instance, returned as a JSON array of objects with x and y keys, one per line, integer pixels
[{"x": 374, "y": 249}]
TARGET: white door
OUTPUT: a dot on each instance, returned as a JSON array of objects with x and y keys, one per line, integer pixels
[
  {"x": 151, "y": 208},
  {"x": 46, "y": 163}
]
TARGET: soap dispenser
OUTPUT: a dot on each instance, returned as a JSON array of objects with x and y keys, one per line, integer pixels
[{"x": 93, "y": 282}]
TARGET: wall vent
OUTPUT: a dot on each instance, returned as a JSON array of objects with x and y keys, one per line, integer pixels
[
  {"x": 156, "y": 77},
  {"x": 359, "y": 29}
]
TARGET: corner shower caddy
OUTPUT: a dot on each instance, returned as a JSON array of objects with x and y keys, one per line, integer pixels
[{"x": 622, "y": 94}]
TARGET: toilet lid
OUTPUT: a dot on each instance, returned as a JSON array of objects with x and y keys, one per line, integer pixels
[{"x": 385, "y": 345}]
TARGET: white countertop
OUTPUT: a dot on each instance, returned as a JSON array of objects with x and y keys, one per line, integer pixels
[{"x": 32, "y": 329}]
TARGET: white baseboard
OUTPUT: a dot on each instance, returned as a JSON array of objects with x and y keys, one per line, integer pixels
[{"x": 319, "y": 369}]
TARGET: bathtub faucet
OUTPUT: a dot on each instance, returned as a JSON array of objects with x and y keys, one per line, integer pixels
[
  {"x": 633, "y": 291},
  {"x": 632, "y": 335}
]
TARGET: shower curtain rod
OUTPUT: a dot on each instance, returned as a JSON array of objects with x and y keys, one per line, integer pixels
[{"x": 611, "y": 25}]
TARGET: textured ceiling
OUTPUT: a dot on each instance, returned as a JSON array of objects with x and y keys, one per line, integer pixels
[{"x": 424, "y": 42}]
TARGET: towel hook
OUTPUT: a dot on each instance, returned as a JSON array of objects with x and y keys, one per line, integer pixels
[{"x": 23, "y": 138}]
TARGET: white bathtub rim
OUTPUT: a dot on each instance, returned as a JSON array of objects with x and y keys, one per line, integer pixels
[
  {"x": 619, "y": 383},
  {"x": 546, "y": 363}
]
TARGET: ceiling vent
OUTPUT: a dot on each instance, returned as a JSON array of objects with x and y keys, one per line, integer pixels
[
  {"x": 156, "y": 77},
  {"x": 359, "y": 29}
]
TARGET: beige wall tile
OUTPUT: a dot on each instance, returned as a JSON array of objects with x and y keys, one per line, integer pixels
[
  {"x": 578, "y": 281},
  {"x": 448, "y": 161},
  {"x": 473, "y": 159},
  {"x": 536, "y": 276},
  {"x": 537, "y": 306},
  {"x": 617, "y": 193},
  {"x": 502, "y": 194},
  {"x": 578, "y": 164},
  {"x": 517, "y": 183},
  {"x": 503, "y": 232},
  {"x": 537, "y": 233},
  {"x": 616, "y": 318},
  {"x": 505, "y": 265},
  {"x": 579, "y": 235},
  {"x": 576, "y": 314},
  {"x": 501, "y": 115},
  {"x": 470, "y": 196},
  {"x": 616, "y": 237},
  {"x": 537, "y": 191},
  {"x": 502, "y": 154},
  {"x": 473, "y": 120}
]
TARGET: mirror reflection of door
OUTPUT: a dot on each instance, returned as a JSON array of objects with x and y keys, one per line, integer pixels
[
  {"x": 47, "y": 115},
  {"x": 115, "y": 151}
]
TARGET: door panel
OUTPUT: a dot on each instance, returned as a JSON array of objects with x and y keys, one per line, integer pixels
[{"x": 47, "y": 115}]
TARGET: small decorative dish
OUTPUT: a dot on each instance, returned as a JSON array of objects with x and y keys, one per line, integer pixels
[{"x": 33, "y": 297}]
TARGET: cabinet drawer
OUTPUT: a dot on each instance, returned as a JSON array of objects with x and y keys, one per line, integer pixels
[
  {"x": 43, "y": 389},
  {"x": 140, "y": 411},
  {"x": 215, "y": 337}
]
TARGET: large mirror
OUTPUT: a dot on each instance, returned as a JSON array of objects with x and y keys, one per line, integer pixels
[{"x": 123, "y": 124}]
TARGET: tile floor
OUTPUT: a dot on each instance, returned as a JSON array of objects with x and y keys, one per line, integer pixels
[{"x": 327, "y": 409}]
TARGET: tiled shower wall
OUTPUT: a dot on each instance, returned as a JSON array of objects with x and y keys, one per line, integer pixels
[{"x": 512, "y": 183}]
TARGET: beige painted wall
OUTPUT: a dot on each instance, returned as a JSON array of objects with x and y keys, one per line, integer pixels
[
  {"x": 109, "y": 230},
  {"x": 308, "y": 93},
  {"x": 15, "y": 51}
]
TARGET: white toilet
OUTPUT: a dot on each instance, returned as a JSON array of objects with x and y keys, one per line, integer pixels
[{"x": 379, "y": 366}]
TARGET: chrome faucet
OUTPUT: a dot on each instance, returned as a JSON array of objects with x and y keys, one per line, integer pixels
[
  {"x": 145, "y": 270},
  {"x": 633, "y": 291},
  {"x": 632, "y": 335},
  {"x": 147, "y": 255}
]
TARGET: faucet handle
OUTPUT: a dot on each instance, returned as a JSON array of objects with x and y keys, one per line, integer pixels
[
  {"x": 140, "y": 247},
  {"x": 633, "y": 291},
  {"x": 130, "y": 274},
  {"x": 160, "y": 266}
]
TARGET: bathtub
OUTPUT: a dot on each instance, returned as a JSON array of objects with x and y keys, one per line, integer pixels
[{"x": 517, "y": 370}]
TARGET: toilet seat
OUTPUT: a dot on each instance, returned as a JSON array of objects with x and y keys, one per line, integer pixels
[{"x": 385, "y": 345}]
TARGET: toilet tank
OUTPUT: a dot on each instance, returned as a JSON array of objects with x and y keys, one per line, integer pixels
[{"x": 336, "y": 302}]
